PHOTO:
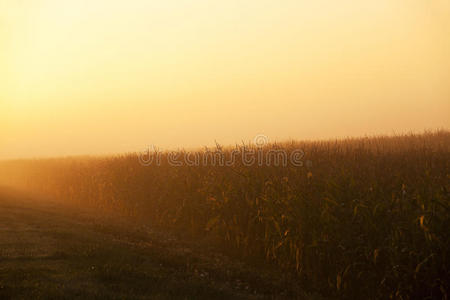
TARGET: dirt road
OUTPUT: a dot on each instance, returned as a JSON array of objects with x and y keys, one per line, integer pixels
[{"x": 53, "y": 251}]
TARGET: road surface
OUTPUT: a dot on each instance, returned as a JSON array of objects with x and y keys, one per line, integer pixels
[{"x": 54, "y": 251}]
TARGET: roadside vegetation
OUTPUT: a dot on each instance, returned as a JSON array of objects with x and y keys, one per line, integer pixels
[{"x": 361, "y": 218}]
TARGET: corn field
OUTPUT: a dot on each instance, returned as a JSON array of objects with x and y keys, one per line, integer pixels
[{"x": 366, "y": 218}]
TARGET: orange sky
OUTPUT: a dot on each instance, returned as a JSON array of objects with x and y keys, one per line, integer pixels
[{"x": 81, "y": 77}]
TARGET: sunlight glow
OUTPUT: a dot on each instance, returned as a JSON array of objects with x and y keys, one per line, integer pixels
[{"x": 111, "y": 76}]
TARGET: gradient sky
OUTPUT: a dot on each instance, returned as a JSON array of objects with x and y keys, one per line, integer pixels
[{"x": 92, "y": 77}]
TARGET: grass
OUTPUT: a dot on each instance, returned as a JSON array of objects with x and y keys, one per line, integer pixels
[
  {"x": 368, "y": 218},
  {"x": 62, "y": 252}
]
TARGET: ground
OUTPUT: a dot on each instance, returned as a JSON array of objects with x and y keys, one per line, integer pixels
[{"x": 51, "y": 250}]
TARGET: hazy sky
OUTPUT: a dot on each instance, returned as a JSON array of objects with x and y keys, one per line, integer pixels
[{"x": 107, "y": 76}]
